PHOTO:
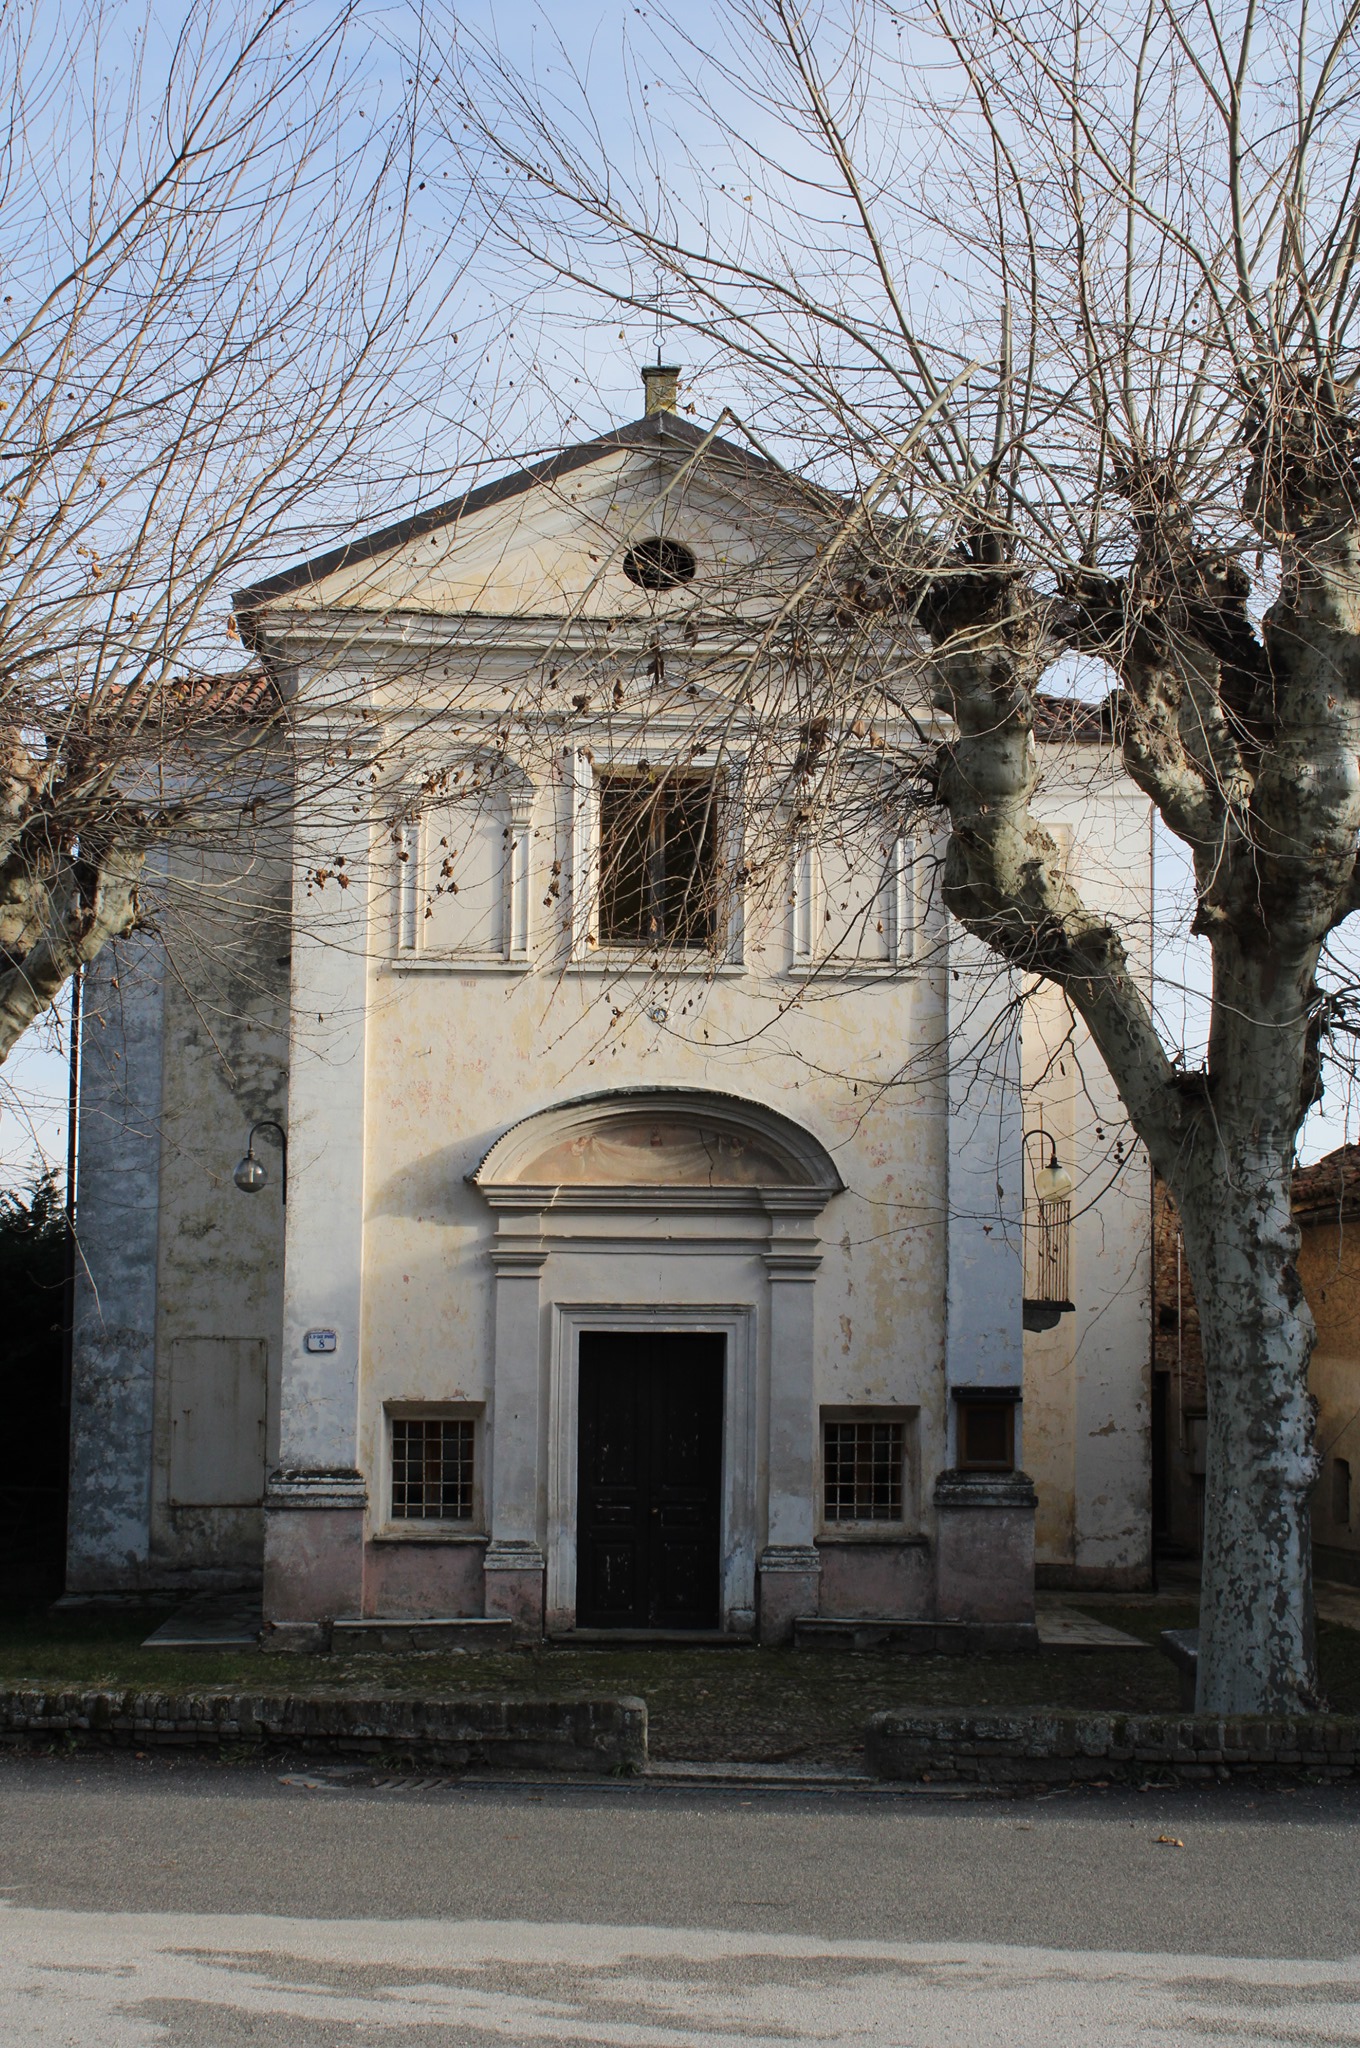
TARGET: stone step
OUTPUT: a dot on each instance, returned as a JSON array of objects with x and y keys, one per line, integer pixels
[
  {"x": 1067, "y": 1628},
  {"x": 422, "y": 1632},
  {"x": 210, "y": 1621},
  {"x": 833, "y": 1632},
  {"x": 649, "y": 1638},
  {"x": 1181, "y": 1645}
]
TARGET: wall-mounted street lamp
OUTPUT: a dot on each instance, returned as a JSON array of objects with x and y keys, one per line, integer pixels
[
  {"x": 251, "y": 1175},
  {"x": 1052, "y": 1183},
  {"x": 1048, "y": 1235}
]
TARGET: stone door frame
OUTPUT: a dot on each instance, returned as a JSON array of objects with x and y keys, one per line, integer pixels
[{"x": 737, "y": 1323}]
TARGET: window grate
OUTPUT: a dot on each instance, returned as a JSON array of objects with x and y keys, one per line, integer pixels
[
  {"x": 862, "y": 1471},
  {"x": 432, "y": 1470}
]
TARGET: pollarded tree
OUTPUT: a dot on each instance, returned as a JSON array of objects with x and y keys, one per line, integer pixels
[
  {"x": 1065, "y": 298},
  {"x": 212, "y": 318}
]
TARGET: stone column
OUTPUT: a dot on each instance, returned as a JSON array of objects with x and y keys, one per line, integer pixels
[
  {"x": 984, "y": 1336},
  {"x": 790, "y": 1565},
  {"x": 985, "y": 1522},
  {"x": 315, "y": 1502},
  {"x": 515, "y": 1561}
]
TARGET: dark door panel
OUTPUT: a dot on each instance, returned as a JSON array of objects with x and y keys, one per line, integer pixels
[{"x": 650, "y": 1480}]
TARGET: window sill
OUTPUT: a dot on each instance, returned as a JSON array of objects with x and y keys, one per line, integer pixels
[
  {"x": 666, "y": 967},
  {"x": 885, "y": 1534},
  {"x": 850, "y": 970},
  {"x": 454, "y": 963},
  {"x": 429, "y": 1532}
]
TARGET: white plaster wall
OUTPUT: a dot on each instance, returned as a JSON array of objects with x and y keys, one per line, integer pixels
[
  {"x": 453, "y": 1061},
  {"x": 452, "y": 1058},
  {"x": 1087, "y": 1390}
]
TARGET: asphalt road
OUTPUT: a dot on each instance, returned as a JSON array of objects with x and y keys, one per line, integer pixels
[{"x": 183, "y": 1904}]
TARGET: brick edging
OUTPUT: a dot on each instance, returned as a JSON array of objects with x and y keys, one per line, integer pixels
[
  {"x": 579, "y": 1735},
  {"x": 1055, "y": 1746}
]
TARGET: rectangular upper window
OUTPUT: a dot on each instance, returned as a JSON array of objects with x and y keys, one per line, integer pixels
[
  {"x": 659, "y": 860},
  {"x": 433, "y": 1469},
  {"x": 986, "y": 1438},
  {"x": 862, "y": 1470}
]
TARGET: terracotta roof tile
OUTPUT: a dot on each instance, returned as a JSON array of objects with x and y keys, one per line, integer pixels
[{"x": 1330, "y": 1183}]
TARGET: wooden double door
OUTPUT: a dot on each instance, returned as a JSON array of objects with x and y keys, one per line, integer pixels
[{"x": 649, "y": 1480}]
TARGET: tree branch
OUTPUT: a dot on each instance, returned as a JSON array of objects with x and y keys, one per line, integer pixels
[{"x": 90, "y": 906}]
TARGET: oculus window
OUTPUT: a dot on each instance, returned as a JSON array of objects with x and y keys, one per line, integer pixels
[{"x": 659, "y": 563}]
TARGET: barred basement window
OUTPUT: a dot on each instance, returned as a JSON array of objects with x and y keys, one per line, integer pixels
[
  {"x": 432, "y": 1470},
  {"x": 862, "y": 1471}
]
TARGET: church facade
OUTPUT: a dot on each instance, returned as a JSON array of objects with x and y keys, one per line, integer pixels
[{"x": 674, "y": 1240}]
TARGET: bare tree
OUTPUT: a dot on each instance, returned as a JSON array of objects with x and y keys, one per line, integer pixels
[
  {"x": 1064, "y": 300},
  {"x": 210, "y": 349}
]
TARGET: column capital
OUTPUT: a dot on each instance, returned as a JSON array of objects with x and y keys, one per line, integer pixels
[
  {"x": 790, "y": 1557},
  {"x": 970, "y": 1490},
  {"x": 791, "y": 1264},
  {"x": 294, "y": 1488},
  {"x": 508, "y": 1556},
  {"x": 512, "y": 1260}
]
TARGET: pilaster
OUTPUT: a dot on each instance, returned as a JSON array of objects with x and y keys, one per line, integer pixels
[
  {"x": 789, "y": 1565},
  {"x": 315, "y": 1502},
  {"x": 515, "y": 1561},
  {"x": 984, "y": 1570},
  {"x": 984, "y": 1341}
]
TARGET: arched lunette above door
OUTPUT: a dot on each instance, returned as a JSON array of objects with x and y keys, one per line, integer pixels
[{"x": 693, "y": 1144}]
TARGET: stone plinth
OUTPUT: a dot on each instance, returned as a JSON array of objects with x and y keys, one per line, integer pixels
[
  {"x": 984, "y": 1554},
  {"x": 313, "y": 1555},
  {"x": 515, "y": 1586},
  {"x": 790, "y": 1588}
]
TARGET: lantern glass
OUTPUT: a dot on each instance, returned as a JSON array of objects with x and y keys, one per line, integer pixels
[
  {"x": 250, "y": 1175},
  {"x": 1053, "y": 1183}
]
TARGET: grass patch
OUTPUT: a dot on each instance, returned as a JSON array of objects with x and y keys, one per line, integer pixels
[{"x": 711, "y": 1705}]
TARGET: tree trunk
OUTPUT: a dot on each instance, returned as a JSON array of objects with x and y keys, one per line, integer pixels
[{"x": 1257, "y": 1641}]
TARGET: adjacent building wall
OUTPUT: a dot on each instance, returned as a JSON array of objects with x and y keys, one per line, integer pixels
[
  {"x": 113, "y": 1365},
  {"x": 179, "y": 1275},
  {"x": 1327, "y": 1210},
  {"x": 1327, "y": 1205},
  {"x": 1087, "y": 1381}
]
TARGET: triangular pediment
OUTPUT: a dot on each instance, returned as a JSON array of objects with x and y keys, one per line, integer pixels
[{"x": 554, "y": 541}]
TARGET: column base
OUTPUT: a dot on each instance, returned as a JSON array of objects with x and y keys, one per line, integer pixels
[
  {"x": 515, "y": 1575},
  {"x": 790, "y": 1588},
  {"x": 313, "y": 1554},
  {"x": 984, "y": 1549}
]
